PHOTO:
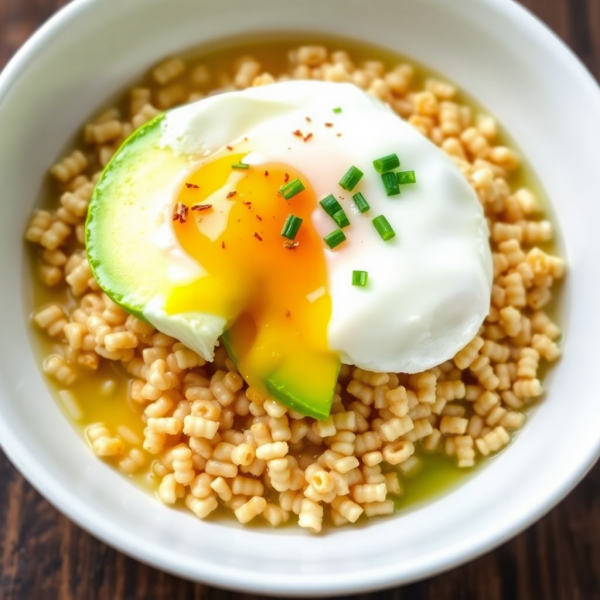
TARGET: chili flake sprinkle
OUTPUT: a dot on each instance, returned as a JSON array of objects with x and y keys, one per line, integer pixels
[
  {"x": 328, "y": 124},
  {"x": 257, "y": 236},
  {"x": 266, "y": 173},
  {"x": 308, "y": 119},
  {"x": 259, "y": 217},
  {"x": 290, "y": 245},
  {"x": 307, "y": 137},
  {"x": 223, "y": 245},
  {"x": 231, "y": 194},
  {"x": 229, "y": 147},
  {"x": 201, "y": 206},
  {"x": 192, "y": 186},
  {"x": 288, "y": 313},
  {"x": 286, "y": 178},
  {"x": 181, "y": 213}
]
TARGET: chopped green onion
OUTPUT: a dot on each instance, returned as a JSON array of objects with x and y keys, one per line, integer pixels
[
  {"x": 289, "y": 190},
  {"x": 361, "y": 204},
  {"x": 360, "y": 278},
  {"x": 406, "y": 177},
  {"x": 239, "y": 165},
  {"x": 334, "y": 209},
  {"x": 337, "y": 110},
  {"x": 330, "y": 205},
  {"x": 335, "y": 238},
  {"x": 386, "y": 163},
  {"x": 390, "y": 183},
  {"x": 384, "y": 228},
  {"x": 341, "y": 219},
  {"x": 351, "y": 178},
  {"x": 291, "y": 227}
]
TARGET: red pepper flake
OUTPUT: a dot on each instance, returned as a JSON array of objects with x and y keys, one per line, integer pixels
[
  {"x": 288, "y": 313},
  {"x": 201, "y": 206},
  {"x": 223, "y": 245},
  {"x": 259, "y": 217},
  {"x": 181, "y": 212},
  {"x": 257, "y": 236},
  {"x": 308, "y": 120},
  {"x": 297, "y": 133},
  {"x": 286, "y": 178},
  {"x": 279, "y": 193},
  {"x": 247, "y": 202},
  {"x": 266, "y": 173},
  {"x": 192, "y": 186},
  {"x": 338, "y": 135},
  {"x": 290, "y": 245},
  {"x": 328, "y": 124},
  {"x": 307, "y": 137},
  {"x": 231, "y": 194},
  {"x": 229, "y": 147}
]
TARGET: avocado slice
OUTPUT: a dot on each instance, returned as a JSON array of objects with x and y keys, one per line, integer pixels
[
  {"x": 136, "y": 186},
  {"x": 123, "y": 210},
  {"x": 304, "y": 381},
  {"x": 312, "y": 397}
]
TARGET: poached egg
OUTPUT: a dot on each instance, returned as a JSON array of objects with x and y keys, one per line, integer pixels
[{"x": 290, "y": 305}]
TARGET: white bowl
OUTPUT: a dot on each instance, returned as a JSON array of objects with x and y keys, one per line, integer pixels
[{"x": 493, "y": 49}]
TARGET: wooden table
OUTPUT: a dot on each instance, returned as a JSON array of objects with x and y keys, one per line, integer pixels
[{"x": 43, "y": 556}]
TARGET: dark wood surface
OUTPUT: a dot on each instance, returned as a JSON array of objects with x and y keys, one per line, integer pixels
[{"x": 44, "y": 556}]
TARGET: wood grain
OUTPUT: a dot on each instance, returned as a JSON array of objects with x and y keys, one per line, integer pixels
[{"x": 43, "y": 556}]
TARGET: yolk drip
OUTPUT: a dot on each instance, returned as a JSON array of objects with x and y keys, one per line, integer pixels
[{"x": 274, "y": 298}]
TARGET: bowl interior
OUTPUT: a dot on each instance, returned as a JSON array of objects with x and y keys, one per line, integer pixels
[{"x": 492, "y": 49}]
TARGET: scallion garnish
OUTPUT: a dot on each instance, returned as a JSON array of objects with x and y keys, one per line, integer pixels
[
  {"x": 341, "y": 219},
  {"x": 361, "y": 204},
  {"x": 240, "y": 165},
  {"x": 360, "y": 278},
  {"x": 289, "y": 190},
  {"x": 406, "y": 177},
  {"x": 291, "y": 227},
  {"x": 386, "y": 163},
  {"x": 334, "y": 209},
  {"x": 337, "y": 110},
  {"x": 384, "y": 228},
  {"x": 351, "y": 177},
  {"x": 390, "y": 183},
  {"x": 335, "y": 238},
  {"x": 330, "y": 205}
]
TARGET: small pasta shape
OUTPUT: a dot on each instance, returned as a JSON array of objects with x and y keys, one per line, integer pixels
[
  {"x": 545, "y": 346},
  {"x": 70, "y": 167},
  {"x": 493, "y": 441},
  {"x": 311, "y": 515},
  {"x": 168, "y": 70},
  {"x": 469, "y": 353}
]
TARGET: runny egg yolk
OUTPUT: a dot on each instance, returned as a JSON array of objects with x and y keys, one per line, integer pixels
[{"x": 274, "y": 298}]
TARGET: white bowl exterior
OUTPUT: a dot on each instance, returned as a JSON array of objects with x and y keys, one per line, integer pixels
[{"x": 494, "y": 50}]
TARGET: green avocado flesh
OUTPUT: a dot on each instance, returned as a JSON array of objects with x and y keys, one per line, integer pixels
[
  {"x": 122, "y": 214},
  {"x": 132, "y": 270},
  {"x": 290, "y": 388}
]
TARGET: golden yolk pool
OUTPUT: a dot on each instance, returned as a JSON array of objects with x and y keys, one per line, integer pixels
[{"x": 274, "y": 297}]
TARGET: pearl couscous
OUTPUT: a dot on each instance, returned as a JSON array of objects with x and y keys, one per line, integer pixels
[{"x": 205, "y": 437}]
